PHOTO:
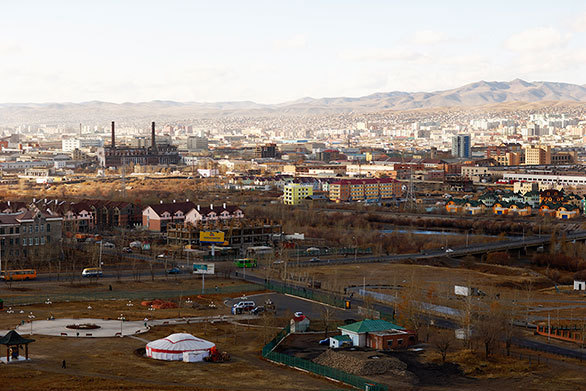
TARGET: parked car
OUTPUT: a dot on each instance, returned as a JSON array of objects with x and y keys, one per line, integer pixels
[
  {"x": 243, "y": 306},
  {"x": 257, "y": 310},
  {"x": 314, "y": 260},
  {"x": 161, "y": 256},
  {"x": 90, "y": 272},
  {"x": 174, "y": 270},
  {"x": 126, "y": 250},
  {"x": 449, "y": 250},
  {"x": 109, "y": 245}
]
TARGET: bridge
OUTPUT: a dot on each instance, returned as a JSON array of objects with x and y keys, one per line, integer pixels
[{"x": 506, "y": 245}]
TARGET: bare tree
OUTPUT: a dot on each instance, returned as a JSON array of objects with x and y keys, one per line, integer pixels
[
  {"x": 443, "y": 343},
  {"x": 326, "y": 315}
]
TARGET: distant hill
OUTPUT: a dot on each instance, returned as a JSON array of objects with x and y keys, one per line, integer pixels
[{"x": 474, "y": 94}]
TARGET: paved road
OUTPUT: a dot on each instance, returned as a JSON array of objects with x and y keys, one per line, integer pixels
[
  {"x": 286, "y": 305},
  {"x": 532, "y": 241}
]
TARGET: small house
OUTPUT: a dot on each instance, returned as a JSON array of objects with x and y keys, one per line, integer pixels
[
  {"x": 580, "y": 285},
  {"x": 378, "y": 334},
  {"x": 299, "y": 323},
  {"x": 339, "y": 341}
]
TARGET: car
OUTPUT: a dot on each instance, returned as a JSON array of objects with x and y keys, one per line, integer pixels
[
  {"x": 174, "y": 270},
  {"x": 257, "y": 310},
  {"x": 92, "y": 272},
  {"x": 242, "y": 306},
  {"x": 449, "y": 250},
  {"x": 109, "y": 245},
  {"x": 161, "y": 256},
  {"x": 127, "y": 250},
  {"x": 278, "y": 262},
  {"x": 325, "y": 341},
  {"x": 314, "y": 260}
]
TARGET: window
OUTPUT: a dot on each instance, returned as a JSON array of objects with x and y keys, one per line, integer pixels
[
  {"x": 36, "y": 228},
  {"x": 11, "y": 230},
  {"x": 30, "y": 229},
  {"x": 42, "y": 228},
  {"x": 48, "y": 227},
  {"x": 17, "y": 230},
  {"x": 48, "y": 239},
  {"x": 42, "y": 240},
  {"x": 2, "y": 231},
  {"x": 36, "y": 241},
  {"x": 17, "y": 242},
  {"x": 30, "y": 241},
  {"x": 399, "y": 342}
]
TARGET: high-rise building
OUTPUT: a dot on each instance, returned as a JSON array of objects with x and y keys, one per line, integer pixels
[
  {"x": 197, "y": 143},
  {"x": 266, "y": 151},
  {"x": 461, "y": 146},
  {"x": 536, "y": 155}
]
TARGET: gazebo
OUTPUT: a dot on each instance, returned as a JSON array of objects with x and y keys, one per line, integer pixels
[{"x": 13, "y": 342}]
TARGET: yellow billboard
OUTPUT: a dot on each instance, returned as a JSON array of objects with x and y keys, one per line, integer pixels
[{"x": 211, "y": 237}]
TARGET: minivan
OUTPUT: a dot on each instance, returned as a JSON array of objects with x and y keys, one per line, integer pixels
[{"x": 91, "y": 272}]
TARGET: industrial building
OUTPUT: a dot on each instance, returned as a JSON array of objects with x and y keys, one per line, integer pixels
[{"x": 113, "y": 156}]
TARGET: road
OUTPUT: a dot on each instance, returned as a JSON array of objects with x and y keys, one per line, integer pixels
[{"x": 532, "y": 241}]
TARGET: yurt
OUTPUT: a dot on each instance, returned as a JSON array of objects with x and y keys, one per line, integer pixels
[{"x": 173, "y": 347}]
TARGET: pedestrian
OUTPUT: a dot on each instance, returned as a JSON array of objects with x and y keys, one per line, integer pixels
[
  {"x": 63, "y": 365},
  {"x": 110, "y": 287},
  {"x": 217, "y": 288}
]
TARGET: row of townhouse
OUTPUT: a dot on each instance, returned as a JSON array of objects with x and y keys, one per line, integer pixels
[
  {"x": 157, "y": 217},
  {"x": 549, "y": 202},
  {"x": 92, "y": 215}
]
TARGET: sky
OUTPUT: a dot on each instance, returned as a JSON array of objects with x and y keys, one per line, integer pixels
[{"x": 278, "y": 51}]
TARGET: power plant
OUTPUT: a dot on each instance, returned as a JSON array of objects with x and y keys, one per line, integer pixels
[{"x": 117, "y": 156}]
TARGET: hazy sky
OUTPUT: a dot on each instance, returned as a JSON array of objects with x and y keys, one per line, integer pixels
[{"x": 274, "y": 51}]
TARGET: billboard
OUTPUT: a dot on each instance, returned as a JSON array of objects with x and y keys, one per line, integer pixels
[
  {"x": 211, "y": 237},
  {"x": 203, "y": 268}
]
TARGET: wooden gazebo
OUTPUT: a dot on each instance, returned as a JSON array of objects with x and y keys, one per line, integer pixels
[{"x": 14, "y": 342}]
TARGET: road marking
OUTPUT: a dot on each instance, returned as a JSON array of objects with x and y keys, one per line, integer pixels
[{"x": 314, "y": 301}]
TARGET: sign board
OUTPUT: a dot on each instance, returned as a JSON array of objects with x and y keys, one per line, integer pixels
[
  {"x": 461, "y": 290},
  {"x": 203, "y": 268},
  {"x": 211, "y": 237}
]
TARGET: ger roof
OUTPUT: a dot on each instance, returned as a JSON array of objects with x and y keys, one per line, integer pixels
[{"x": 370, "y": 325}]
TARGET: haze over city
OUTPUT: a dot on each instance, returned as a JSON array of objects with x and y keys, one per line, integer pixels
[
  {"x": 272, "y": 52},
  {"x": 303, "y": 195}
]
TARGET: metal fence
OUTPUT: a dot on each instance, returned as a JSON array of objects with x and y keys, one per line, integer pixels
[
  {"x": 129, "y": 295},
  {"x": 308, "y": 293},
  {"x": 321, "y": 370}
]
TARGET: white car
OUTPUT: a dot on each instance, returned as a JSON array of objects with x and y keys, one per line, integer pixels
[
  {"x": 449, "y": 250},
  {"x": 161, "y": 256}
]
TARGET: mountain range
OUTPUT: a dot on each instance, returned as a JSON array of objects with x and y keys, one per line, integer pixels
[{"x": 473, "y": 94}]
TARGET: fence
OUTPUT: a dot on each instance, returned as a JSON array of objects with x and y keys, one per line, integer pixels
[
  {"x": 323, "y": 297},
  {"x": 130, "y": 295},
  {"x": 321, "y": 370}
]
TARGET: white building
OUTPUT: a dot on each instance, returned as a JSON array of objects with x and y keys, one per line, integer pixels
[
  {"x": 564, "y": 180},
  {"x": 71, "y": 144},
  {"x": 580, "y": 285}
]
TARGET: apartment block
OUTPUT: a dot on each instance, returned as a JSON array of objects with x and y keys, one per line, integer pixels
[
  {"x": 294, "y": 193},
  {"x": 370, "y": 189}
]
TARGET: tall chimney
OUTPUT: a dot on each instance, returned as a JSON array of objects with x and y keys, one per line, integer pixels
[
  {"x": 113, "y": 136},
  {"x": 153, "y": 143}
]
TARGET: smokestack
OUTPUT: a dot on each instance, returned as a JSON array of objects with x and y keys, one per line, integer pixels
[
  {"x": 153, "y": 143},
  {"x": 113, "y": 136}
]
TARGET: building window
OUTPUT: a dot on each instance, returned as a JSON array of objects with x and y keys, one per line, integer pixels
[
  {"x": 36, "y": 228},
  {"x": 30, "y": 229},
  {"x": 30, "y": 241},
  {"x": 11, "y": 230},
  {"x": 17, "y": 230},
  {"x": 42, "y": 228},
  {"x": 17, "y": 241},
  {"x": 42, "y": 240},
  {"x": 48, "y": 227}
]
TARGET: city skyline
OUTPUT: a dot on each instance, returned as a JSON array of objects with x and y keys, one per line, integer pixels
[{"x": 273, "y": 53}]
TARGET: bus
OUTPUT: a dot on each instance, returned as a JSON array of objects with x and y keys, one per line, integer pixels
[
  {"x": 17, "y": 275},
  {"x": 90, "y": 272},
  {"x": 245, "y": 262}
]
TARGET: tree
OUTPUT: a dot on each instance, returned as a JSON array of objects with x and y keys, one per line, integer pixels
[{"x": 443, "y": 343}]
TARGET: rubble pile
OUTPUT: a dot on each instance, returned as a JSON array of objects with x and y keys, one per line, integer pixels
[{"x": 360, "y": 364}]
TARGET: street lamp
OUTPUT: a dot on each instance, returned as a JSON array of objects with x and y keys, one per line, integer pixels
[
  {"x": 355, "y": 248},
  {"x": 31, "y": 317},
  {"x": 122, "y": 319}
]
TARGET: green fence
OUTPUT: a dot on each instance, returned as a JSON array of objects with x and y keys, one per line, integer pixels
[
  {"x": 311, "y": 294},
  {"x": 321, "y": 370},
  {"x": 130, "y": 295}
]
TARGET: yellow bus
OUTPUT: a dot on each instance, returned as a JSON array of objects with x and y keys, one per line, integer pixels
[{"x": 16, "y": 275}]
